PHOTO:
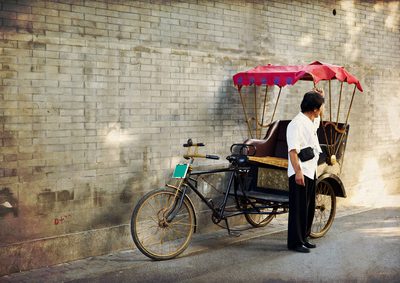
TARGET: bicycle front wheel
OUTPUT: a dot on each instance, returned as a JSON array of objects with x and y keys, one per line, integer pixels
[{"x": 154, "y": 232}]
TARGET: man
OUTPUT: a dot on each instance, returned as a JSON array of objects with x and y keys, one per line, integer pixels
[{"x": 304, "y": 149}]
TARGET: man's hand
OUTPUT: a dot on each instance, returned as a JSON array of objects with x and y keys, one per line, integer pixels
[
  {"x": 294, "y": 159},
  {"x": 300, "y": 178},
  {"x": 320, "y": 91}
]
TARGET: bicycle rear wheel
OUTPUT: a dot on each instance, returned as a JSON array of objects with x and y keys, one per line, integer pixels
[
  {"x": 157, "y": 236},
  {"x": 260, "y": 220},
  {"x": 325, "y": 209}
]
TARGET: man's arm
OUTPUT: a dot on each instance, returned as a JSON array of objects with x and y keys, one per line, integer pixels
[{"x": 294, "y": 159}]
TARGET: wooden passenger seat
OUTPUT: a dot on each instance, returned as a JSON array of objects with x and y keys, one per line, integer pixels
[{"x": 272, "y": 150}]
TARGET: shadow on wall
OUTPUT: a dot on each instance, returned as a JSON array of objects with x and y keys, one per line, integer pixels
[
  {"x": 48, "y": 200},
  {"x": 228, "y": 110},
  {"x": 116, "y": 208},
  {"x": 8, "y": 203},
  {"x": 16, "y": 25}
]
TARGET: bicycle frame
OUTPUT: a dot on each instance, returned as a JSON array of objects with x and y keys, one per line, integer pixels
[{"x": 219, "y": 212}]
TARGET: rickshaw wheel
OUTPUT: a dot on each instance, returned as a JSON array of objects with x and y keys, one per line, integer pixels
[
  {"x": 325, "y": 209},
  {"x": 259, "y": 220},
  {"x": 154, "y": 234}
]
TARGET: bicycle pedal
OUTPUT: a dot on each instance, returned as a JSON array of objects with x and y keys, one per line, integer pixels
[{"x": 234, "y": 234}]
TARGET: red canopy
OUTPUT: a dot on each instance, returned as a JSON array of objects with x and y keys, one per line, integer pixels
[{"x": 289, "y": 75}]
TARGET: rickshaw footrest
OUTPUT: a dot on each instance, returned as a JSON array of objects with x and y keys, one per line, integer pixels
[{"x": 280, "y": 198}]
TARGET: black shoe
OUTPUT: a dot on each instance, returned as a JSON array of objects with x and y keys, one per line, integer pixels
[
  {"x": 301, "y": 249},
  {"x": 310, "y": 245}
]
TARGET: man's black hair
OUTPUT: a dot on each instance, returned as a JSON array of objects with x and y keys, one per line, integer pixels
[{"x": 312, "y": 100}]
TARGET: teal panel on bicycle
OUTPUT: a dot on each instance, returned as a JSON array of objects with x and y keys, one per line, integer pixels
[{"x": 180, "y": 171}]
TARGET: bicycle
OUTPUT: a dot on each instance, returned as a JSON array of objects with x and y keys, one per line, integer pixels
[{"x": 164, "y": 220}]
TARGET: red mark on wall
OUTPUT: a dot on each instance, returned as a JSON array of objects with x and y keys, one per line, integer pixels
[{"x": 60, "y": 220}]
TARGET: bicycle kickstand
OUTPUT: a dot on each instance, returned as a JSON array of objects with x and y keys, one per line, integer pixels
[{"x": 231, "y": 233}]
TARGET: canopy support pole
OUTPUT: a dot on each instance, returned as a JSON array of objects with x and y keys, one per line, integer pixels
[
  {"x": 351, "y": 103},
  {"x": 245, "y": 113},
  {"x": 347, "y": 119},
  {"x": 328, "y": 142},
  {"x": 330, "y": 101},
  {"x": 330, "y": 110},
  {"x": 338, "y": 110},
  {"x": 276, "y": 104},
  {"x": 340, "y": 99},
  {"x": 265, "y": 104},
  {"x": 255, "y": 112}
]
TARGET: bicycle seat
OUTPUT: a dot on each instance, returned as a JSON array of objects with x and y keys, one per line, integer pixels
[{"x": 238, "y": 159}]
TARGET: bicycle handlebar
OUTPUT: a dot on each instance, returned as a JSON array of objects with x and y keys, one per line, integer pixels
[
  {"x": 208, "y": 156},
  {"x": 190, "y": 143},
  {"x": 189, "y": 155}
]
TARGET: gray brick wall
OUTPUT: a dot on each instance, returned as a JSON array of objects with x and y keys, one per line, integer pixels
[{"x": 97, "y": 98}]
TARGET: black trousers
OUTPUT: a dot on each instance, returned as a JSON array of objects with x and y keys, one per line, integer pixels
[{"x": 301, "y": 211}]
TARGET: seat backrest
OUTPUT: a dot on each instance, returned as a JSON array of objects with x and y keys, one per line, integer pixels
[
  {"x": 274, "y": 144},
  {"x": 281, "y": 148},
  {"x": 266, "y": 146}
]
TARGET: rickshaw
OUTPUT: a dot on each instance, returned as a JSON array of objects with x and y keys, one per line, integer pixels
[{"x": 164, "y": 220}]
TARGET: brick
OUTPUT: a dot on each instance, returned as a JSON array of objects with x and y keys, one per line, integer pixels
[
  {"x": 72, "y": 15},
  {"x": 66, "y": 112},
  {"x": 108, "y": 13},
  {"x": 44, "y": 11},
  {"x": 95, "y": 31},
  {"x": 95, "y": 18},
  {"x": 117, "y": 7},
  {"x": 18, "y": 37},
  {"x": 58, "y": 6}
]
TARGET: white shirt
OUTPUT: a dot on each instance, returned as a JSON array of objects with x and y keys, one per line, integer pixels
[{"x": 301, "y": 133}]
